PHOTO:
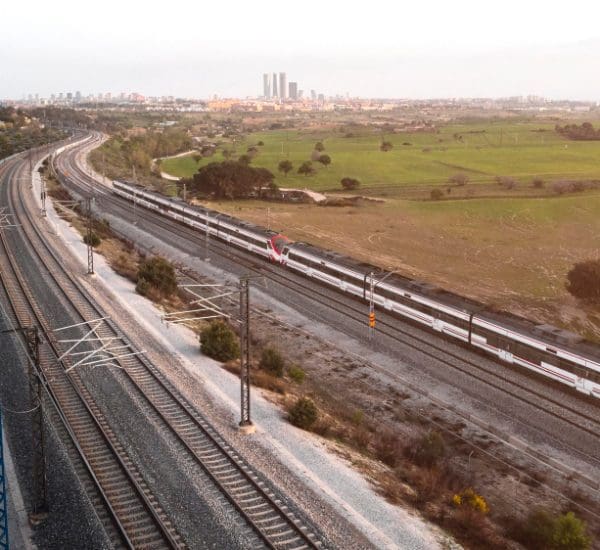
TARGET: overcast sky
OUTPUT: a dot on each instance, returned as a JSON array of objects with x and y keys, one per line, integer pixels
[{"x": 416, "y": 49}]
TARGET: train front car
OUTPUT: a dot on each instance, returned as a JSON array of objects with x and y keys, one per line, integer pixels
[{"x": 276, "y": 245}]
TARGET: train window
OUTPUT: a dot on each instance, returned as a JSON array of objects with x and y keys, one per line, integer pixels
[{"x": 551, "y": 350}]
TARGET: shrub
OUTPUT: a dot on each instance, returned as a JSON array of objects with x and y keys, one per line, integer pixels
[
  {"x": 260, "y": 143},
  {"x": 429, "y": 449},
  {"x": 561, "y": 187},
  {"x": 306, "y": 168},
  {"x": 584, "y": 281},
  {"x": 471, "y": 499},
  {"x": 142, "y": 286},
  {"x": 92, "y": 240},
  {"x": 506, "y": 181},
  {"x": 319, "y": 146},
  {"x": 538, "y": 183},
  {"x": 303, "y": 413},
  {"x": 459, "y": 179},
  {"x": 325, "y": 160},
  {"x": 541, "y": 529},
  {"x": 350, "y": 184},
  {"x": 386, "y": 146},
  {"x": 296, "y": 374},
  {"x": 436, "y": 194},
  {"x": 272, "y": 361},
  {"x": 569, "y": 533},
  {"x": 159, "y": 274},
  {"x": 387, "y": 447},
  {"x": 219, "y": 341}
]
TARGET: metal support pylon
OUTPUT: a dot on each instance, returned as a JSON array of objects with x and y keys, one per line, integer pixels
[
  {"x": 39, "y": 504},
  {"x": 90, "y": 232},
  {"x": 3, "y": 501},
  {"x": 245, "y": 352}
]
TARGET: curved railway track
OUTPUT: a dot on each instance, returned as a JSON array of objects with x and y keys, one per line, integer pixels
[
  {"x": 139, "y": 519},
  {"x": 404, "y": 333},
  {"x": 275, "y": 524},
  {"x": 388, "y": 325}
]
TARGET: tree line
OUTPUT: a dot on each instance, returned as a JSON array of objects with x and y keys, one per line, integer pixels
[{"x": 582, "y": 132}]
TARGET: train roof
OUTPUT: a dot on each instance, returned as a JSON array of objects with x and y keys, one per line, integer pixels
[
  {"x": 202, "y": 209},
  {"x": 551, "y": 335},
  {"x": 547, "y": 333},
  {"x": 420, "y": 287}
]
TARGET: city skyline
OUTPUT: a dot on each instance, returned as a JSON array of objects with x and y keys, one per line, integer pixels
[{"x": 462, "y": 52}]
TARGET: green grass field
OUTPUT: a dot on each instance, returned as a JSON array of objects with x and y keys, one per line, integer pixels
[{"x": 485, "y": 151}]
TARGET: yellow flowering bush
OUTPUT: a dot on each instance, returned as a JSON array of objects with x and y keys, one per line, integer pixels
[{"x": 470, "y": 498}]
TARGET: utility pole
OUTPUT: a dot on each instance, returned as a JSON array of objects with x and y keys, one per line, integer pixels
[
  {"x": 3, "y": 496},
  {"x": 134, "y": 196},
  {"x": 43, "y": 197},
  {"x": 371, "y": 307},
  {"x": 372, "y": 285},
  {"x": 39, "y": 507},
  {"x": 90, "y": 233},
  {"x": 245, "y": 421},
  {"x": 184, "y": 191},
  {"x": 206, "y": 236}
]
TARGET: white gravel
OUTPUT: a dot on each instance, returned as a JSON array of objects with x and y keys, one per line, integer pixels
[{"x": 328, "y": 475}]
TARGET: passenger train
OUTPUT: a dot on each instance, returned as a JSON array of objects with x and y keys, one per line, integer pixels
[{"x": 544, "y": 349}]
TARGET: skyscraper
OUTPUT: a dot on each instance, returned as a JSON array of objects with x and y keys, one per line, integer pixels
[
  {"x": 266, "y": 86},
  {"x": 313, "y": 95},
  {"x": 293, "y": 89},
  {"x": 275, "y": 94},
  {"x": 282, "y": 85}
]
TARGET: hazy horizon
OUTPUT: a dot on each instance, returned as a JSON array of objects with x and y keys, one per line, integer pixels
[{"x": 433, "y": 51}]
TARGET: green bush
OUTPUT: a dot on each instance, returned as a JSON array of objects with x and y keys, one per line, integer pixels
[
  {"x": 219, "y": 341},
  {"x": 142, "y": 286},
  {"x": 545, "y": 530},
  {"x": 92, "y": 240},
  {"x": 350, "y": 184},
  {"x": 272, "y": 361},
  {"x": 436, "y": 194},
  {"x": 303, "y": 413},
  {"x": 429, "y": 449},
  {"x": 296, "y": 374},
  {"x": 158, "y": 274},
  {"x": 569, "y": 533}
]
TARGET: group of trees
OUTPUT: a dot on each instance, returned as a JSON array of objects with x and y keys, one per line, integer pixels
[
  {"x": 19, "y": 130},
  {"x": 583, "y": 132},
  {"x": 230, "y": 180}
]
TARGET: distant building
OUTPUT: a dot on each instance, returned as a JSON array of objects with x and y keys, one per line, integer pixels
[
  {"x": 267, "y": 86},
  {"x": 293, "y": 91},
  {"x": 313, "y": 95},
  {"x": 282, "y": 85},
  {"x": 69, "y": 96},
  {"x": 275, "y": 92},
  {"x": 78, "y": 96}
]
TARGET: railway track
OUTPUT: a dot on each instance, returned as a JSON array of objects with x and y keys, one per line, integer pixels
[
  {"x": 405, "y": 334},
  {"x": 274, "y": 523},
  {"x": 388, "y": 326},
  {"x": 139, "y": 519}
]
